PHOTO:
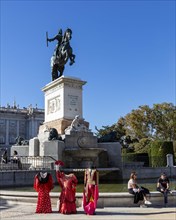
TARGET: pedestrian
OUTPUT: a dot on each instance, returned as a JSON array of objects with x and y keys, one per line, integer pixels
[
  {"x": 16, "y": 159},
  {"x": 4, "y": 156}
]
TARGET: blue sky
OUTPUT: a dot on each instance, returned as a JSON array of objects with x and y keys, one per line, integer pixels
[{"x": 125, "y": 50}]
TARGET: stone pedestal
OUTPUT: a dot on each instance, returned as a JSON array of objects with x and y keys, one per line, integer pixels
[
  {"x": 23, "y": 150},
  {"x": 53, "y": 149},
  {"x": 63, "y": 101},
  {"x": 34, "y": 147}
]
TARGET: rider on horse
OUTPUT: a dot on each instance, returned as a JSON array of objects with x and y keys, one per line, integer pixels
[{"x": 62, "y": 53}]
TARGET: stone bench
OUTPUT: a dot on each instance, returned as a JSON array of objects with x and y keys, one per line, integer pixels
[{"x": 123, "y": 199}]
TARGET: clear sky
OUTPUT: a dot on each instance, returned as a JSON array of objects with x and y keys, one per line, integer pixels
[{"x": 125, "y": 50}]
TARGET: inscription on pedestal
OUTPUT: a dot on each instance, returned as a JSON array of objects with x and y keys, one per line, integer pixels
[{"x": 73, "y": 102}]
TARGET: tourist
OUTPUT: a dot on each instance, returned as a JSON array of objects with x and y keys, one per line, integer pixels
[
  {"x": 16, "y": 159},
  {"x": 138, "y": 192},
  {"x": 68, "y": 190},
  {"x": 43, "y": 184},
  {"x": 4, "y": 156},
  {"x": 163, "y": 187},
  {"x": 15, "y": 156},
  {"x": 90, "y": 194}
]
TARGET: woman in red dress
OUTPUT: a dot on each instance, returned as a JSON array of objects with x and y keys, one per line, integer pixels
[
  {"x": 68, "y": 185},
  {"x": 43, "y": 184}
]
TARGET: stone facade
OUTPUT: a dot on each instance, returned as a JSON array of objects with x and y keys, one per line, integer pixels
[{"x": 19, "y": 122}]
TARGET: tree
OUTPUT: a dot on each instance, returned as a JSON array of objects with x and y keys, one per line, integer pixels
[
  {"x": 164, "y": 121},
  {"x": 138, "y": 123},
  {"x": 144, "y": 124}
]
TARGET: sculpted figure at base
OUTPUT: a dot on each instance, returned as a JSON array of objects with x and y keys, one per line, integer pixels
[
  {"x": 91, "y": 192},
  {"x": 68, "y": 184},
  {"x": 62, "y": 53},
  {"x": 76, "y": 126}
]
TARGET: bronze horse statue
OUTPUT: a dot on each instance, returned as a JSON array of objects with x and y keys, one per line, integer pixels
[{"x": 62, "y": 53}]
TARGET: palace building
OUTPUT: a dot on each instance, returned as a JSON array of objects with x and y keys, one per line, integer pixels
[{"x": 15, "y": 122}]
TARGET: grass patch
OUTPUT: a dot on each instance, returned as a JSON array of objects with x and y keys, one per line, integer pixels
[{"x": 115, "y": 187}]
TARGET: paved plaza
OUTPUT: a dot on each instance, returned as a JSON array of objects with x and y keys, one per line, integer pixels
[{"x": 26, "y": 211}]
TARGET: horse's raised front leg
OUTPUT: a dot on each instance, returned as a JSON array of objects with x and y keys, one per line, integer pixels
[{"x": 72, "y": 59}]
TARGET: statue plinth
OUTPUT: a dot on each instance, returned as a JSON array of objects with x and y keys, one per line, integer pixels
[{"x": 63, "y": 101}]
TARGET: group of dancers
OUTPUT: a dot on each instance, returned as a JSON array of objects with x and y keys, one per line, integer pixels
[{"x": 43, "y": 184}]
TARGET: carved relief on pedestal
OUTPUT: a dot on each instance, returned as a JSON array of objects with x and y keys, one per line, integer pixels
[{"x": 54, "y": 105}]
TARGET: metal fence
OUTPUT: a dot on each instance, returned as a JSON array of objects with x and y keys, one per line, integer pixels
[
  {"x": 47, "y": 162},
  {"x": 28, "y": 163}
]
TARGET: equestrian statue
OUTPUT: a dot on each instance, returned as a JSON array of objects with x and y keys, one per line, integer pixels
[{"x": 62, "y": 52}]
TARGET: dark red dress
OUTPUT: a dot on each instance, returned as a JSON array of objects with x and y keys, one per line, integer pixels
[
  {"x": 67, "y": 197},
  {"x": 43, "y": 183}
]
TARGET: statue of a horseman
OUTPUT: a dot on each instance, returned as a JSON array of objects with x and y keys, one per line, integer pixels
[{"x": 62, "y": 52}]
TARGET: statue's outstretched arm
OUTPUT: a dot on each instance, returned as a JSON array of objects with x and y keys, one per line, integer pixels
[{"x": 52, "y": 39}]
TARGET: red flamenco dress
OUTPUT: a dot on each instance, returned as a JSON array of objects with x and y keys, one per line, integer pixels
[
  {"x": 68, "y": 190},
  {"x": 43, "y": 184},
  {"x": 91, "y": 192}
]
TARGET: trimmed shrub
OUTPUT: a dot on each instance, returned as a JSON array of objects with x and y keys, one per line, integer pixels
[
  {"x": 135, "y": 157},
  {"x": 158, "y": 152}
]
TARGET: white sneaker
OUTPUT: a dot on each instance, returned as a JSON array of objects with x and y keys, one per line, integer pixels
[
  {"x": 143, "y": 206},
  {"x": 147, "y": 202}
]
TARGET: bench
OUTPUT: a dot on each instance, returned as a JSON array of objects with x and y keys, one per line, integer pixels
[{"x": 125, "y": 199}]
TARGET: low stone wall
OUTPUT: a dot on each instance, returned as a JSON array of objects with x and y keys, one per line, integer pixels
[
  {"x": 148, "y": 172},
  {"x": 105, "y": 199},
  {"x": 9, "y": 178},
  {"x": 19, "y": 177},
  {"x": 16, "y": 178}
]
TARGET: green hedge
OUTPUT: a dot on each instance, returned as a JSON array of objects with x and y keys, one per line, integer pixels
[
  {"x": 158, "y": 152},
  {"x": 135, "y": 157}
]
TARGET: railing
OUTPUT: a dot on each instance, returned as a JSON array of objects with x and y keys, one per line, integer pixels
[{"x": 28, "y": 163}]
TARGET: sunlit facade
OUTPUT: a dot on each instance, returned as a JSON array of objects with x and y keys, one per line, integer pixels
[{"x": 16, "y": 122}]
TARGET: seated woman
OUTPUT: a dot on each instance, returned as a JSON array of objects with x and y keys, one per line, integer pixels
[
  {"x": 138, "y": 192},
  {"x": 16, "y": 159}
]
